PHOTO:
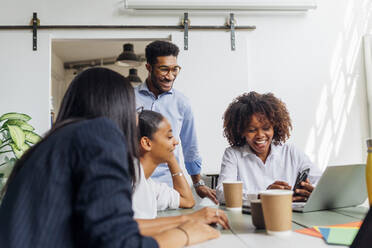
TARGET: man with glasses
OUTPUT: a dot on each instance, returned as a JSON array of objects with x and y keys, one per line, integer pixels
[{"x": 157, "y": 94}]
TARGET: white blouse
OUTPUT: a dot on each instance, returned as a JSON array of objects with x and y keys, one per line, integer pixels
[
  {"x": 283, "y": 163},
  {"x": 150, "y": 196}
]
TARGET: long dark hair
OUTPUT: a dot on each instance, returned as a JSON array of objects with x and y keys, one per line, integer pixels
[{"x": 96, "y": 92}]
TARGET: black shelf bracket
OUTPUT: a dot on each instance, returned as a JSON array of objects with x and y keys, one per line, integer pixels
[
  {"x": 35, "y": 23},
  {"x": 186, "y": 23},
  {"x": 231, "y": 24}
]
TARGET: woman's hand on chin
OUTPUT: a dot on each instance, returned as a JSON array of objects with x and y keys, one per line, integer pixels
[{"x": 171, "y": 159}]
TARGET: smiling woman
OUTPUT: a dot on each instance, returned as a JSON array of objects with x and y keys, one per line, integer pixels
[
  {"x": 259, "y": 135},
  {"x": 157, "y": 144},
  {"x": 257, "y": 127}
]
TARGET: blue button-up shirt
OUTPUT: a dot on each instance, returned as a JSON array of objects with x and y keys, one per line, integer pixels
[{"x": 174, "y": 106}]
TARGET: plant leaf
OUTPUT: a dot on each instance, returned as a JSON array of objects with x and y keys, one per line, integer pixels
[
  {"x": 22, "y": 124},
  {"x": 12, "y": 161},
  {"x": 17, "y": 135},
  {"x": 17, "y": 152},
  {"x": 25, "y": 147},
  {"x": 15, "y": 116},
  {"x": 32, "y": 137}
]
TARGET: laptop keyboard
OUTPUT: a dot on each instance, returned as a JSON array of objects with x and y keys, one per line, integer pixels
[{"x": 298, "y": 205}]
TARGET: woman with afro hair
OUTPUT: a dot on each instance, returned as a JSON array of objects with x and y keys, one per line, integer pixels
[{"x": 257, "y": 127}]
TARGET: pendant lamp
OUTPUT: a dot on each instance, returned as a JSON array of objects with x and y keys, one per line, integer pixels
[
  {"x": 128, "y": 58},
  {"x": 134, "y": 79}
]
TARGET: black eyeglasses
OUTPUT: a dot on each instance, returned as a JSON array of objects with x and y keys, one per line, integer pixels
[
  {"x": 139, "y": 109},
  {"x": 164, "y": 70}
]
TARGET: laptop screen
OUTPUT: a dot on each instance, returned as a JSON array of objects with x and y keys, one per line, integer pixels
[{"x": 340, "y": 186}]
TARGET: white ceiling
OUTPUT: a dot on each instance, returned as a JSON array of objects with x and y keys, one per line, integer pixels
[{"x": 87, "y": 49}]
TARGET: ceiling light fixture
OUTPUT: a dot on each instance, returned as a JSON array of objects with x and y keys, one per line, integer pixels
[
  {"x": 128, "y": 58},
  {"x": 134, "y": 79}
]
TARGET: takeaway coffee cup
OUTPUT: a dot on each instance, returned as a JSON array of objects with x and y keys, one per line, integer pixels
[
  {"x": 257, "y": 214},
  {"x": 233, "y": 191},
  {"x": 277, "y": 211}
]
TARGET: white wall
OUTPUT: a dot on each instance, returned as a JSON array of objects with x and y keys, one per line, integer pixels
[
  {"x": 24, "y": 77},
  {"x": 58, "y": 83},
  {"x": 311, "y": 61}
]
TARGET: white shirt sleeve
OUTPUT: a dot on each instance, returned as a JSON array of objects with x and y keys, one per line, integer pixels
[
  {"x": 229, "y": 171},
  {"x": 166, "y": 197}
]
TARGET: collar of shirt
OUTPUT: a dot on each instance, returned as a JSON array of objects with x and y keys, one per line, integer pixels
[
  {"x": 142, "y": 88},
  {"x": 246, "y": 150}
]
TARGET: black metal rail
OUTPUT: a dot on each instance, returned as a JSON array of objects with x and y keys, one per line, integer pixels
[
  {"x": 35, "y": 25},
  {"x": 180, "y": 27}
]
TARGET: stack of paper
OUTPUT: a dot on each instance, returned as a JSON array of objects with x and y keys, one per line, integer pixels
[
  {"x": 343, "y": 234},
  {"x": 338, "y": 235}
]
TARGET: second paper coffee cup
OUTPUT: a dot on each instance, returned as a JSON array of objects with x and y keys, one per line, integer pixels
[{"x": 233, "y": 191}]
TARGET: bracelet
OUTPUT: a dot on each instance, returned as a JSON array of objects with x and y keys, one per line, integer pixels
[
  {"x": 177, "y": 174},
  {"x": 187, "y": 235}
]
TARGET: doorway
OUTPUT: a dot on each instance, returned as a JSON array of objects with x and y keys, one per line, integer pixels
[{"x": 71, "y": 56}]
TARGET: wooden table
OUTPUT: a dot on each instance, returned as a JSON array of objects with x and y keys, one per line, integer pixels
[{"x": 244, "y": 234}]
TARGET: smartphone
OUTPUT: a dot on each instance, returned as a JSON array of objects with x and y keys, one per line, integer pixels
[{"x": 301, "y": 177}]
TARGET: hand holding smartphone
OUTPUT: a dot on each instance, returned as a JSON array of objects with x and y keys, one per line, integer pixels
[{"x": 301, "y": 177}]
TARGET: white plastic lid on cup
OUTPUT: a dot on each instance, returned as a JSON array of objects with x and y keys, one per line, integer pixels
[
  {"x": 276, "y": 192},
  {"x": 256, "y": 201},
  {"x": 232, "y": 182}
]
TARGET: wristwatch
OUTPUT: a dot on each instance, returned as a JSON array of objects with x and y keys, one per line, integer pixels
[{"x": 200, "y": 183}]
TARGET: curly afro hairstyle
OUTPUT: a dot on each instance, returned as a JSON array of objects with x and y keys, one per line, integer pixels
[
  {"x": 160, "y": 48},
  {"x": 239, "y": 114}
]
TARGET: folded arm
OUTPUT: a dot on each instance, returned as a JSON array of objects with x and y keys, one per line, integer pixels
[{"x": 180, "y": 184}]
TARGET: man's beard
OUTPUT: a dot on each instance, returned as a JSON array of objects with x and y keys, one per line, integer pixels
[{"x": 155, "y": 83}]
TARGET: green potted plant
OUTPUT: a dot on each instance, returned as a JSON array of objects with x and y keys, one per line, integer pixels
[{"x": 16, "y": 136}]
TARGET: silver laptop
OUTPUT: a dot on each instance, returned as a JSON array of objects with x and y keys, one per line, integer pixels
[{"x": 339, "y": 186}]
